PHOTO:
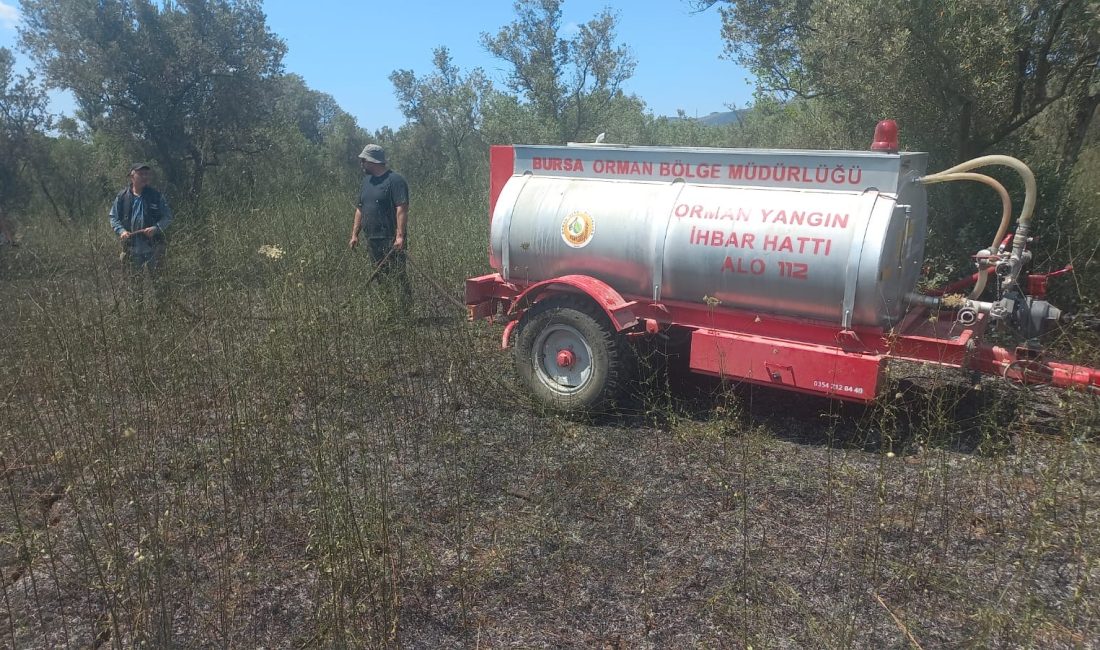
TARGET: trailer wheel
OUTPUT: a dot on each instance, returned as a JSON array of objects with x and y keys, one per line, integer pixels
[{"x": 569, "y": 356}]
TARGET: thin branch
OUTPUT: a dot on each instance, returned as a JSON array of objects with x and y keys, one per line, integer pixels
[
  {"x": 897, "y": 621},
  {"x": 1042, "y": 62},
  {"x": 1008, "y": 129}
]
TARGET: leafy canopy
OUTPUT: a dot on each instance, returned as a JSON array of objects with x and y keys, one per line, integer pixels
[{"x": 189, "y": 80}]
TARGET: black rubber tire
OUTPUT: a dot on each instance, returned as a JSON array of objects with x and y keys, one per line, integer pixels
[{"x": 610, "y": 355}]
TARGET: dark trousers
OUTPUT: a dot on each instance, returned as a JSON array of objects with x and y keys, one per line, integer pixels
[
  {"x": 393, "y": 275},
  {"x": 149, "y": 261}
]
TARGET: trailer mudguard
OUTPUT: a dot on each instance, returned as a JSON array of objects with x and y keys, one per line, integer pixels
[{"x": 619, "y": 310}]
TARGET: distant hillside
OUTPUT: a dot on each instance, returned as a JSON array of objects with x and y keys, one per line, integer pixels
[{"x": 718, "y": 119}]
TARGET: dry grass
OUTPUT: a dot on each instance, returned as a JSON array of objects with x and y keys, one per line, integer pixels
[{"x": 292, "y": 465}]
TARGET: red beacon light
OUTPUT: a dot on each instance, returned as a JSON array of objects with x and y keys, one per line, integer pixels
[{"x": 886, "y": 137}]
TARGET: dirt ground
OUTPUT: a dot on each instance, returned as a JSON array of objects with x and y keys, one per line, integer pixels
[{"x": 274, "y": 485}]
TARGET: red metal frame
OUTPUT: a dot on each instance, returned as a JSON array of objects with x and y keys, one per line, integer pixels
[
  {"x": 804, "y": 356},
  {"x": 1023, "y": 367},
  {"x": 502, "y": 162},
  {"x": 794, "y": 365},
  {"x": 619, "y": 310},
  {"x": 486, "y": 293}
]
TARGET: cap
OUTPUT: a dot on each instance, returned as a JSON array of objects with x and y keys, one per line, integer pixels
[
  {"x": 374, "y": 153},
  {"x": 137, "y": 166}
]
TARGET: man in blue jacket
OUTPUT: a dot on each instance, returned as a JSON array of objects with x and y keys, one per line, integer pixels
[{"x": 139, "y": 216}]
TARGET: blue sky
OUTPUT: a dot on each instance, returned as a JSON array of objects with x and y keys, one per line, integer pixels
[{"x": 348, "y": 49}]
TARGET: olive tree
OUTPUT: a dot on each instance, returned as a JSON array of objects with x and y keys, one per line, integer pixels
[
  {"x": 447, "y": 106},
  {"x": 571, "y": 84},
  {"x": 23, "y": 117},
  {"x": 964, "y": 77},
  {"x": 186, "y": 82}
]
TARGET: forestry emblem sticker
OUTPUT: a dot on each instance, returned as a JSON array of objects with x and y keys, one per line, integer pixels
[{"x": 577, "y": 229}]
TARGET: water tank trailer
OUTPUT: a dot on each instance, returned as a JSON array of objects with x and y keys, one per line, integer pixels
[{"x": 792, "y": 269}]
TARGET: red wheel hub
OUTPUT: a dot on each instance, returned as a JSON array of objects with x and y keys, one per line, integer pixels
[{"x": 566, "y": 359}]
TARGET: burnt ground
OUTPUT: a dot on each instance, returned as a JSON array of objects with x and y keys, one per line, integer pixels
[
  {"x": 775, "y": 524},
  {"x": 325, "y": 475}
]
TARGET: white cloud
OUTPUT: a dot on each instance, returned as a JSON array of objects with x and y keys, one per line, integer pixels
[{"x": 9, "y": 15}]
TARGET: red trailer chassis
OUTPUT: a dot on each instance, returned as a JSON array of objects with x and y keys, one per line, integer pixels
[{"x": 791, "y": 354}]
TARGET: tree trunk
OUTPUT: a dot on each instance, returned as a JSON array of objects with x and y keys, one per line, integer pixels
[
  {"x": 44, "y": 186},
  {"x": 964, "y": 146},
  {"x": 1076, "y": 132},
  {"x": 1084, "y": 111},
  {"x": 198, "y": 169}
]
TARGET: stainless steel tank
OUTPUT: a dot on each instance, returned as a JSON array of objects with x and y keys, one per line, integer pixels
[{"x": 831, "y": 236}]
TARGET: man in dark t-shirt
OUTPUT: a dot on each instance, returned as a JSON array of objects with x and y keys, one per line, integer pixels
[{"x": 382, "y": 217}]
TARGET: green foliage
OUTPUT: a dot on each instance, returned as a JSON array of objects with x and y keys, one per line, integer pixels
[
  {"x": 306, "y": 146},
  {"x": 570, "y": 84},
  {"x": 22, "y": 117},
  {"x": 74, "y": 175},
  {"x": 564, "y": 89},
  {"x": 190, "y": 80},
  {"x": 313, "y": 114},
  {"x": 982, "y": 71},
  {"x": 445, "y": 111}
]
